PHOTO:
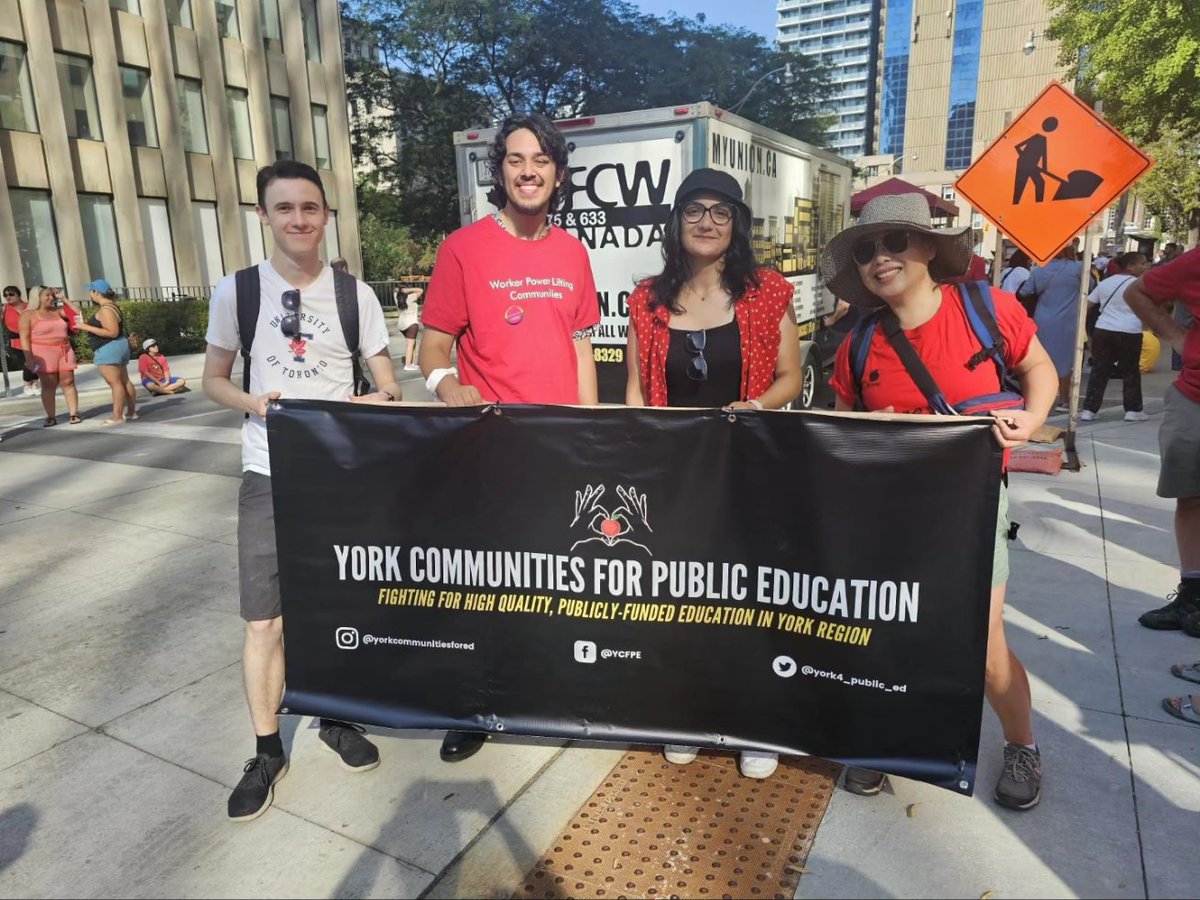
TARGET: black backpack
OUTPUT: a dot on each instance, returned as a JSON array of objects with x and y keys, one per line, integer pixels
[{"x": 345, "y": 291}]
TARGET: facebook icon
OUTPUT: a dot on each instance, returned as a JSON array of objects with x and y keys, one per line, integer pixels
[{"x": 585, "y": 652}]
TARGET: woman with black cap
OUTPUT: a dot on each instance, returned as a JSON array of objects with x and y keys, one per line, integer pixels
[
  {"x": 895, "y": 262},
  {"x": 714, "y": 329}
]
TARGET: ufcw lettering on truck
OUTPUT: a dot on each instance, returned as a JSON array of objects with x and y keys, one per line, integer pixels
[{"x": 609, "y": 185}]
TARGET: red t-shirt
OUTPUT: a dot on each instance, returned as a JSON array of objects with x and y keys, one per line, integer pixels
[
  {"x": 156, "y": 368},
  {"x": 1180, "y": 280},
  {"x": 514, "y": 306},
  {"x": 12, "y": 321},
  {"x": 945, "y": 343}
]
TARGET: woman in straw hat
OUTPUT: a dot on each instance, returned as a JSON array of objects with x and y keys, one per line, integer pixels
[{"x": 894, "y": 260}]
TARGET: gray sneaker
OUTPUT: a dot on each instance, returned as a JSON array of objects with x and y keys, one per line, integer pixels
[{"x": 1020, "y": 784}]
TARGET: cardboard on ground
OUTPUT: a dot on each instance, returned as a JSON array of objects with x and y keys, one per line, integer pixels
[{"x": 1051, "y": 172}]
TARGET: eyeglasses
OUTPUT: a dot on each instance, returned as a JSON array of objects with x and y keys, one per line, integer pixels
[
  {"x": 893, "y": 242},
  {"x": 695, "y": 341},
  {"x": 290, "y": 324},
  {"x": 720, "y": 213}
]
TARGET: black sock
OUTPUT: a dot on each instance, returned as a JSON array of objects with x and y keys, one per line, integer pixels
[{"x": 270, "y": 744}]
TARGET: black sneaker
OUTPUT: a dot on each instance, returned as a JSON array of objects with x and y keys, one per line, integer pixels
[
  {"x": 865, "y": 782},
  {"x": 1170, "y": 617},
  {"x": 1190, "y": 624},
  {"x": 1020, "y": 784},
  {"x": 355, "y": 752},
  {"x": 254, "y": 792}
]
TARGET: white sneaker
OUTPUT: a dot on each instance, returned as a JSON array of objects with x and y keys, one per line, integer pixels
[
  {"x": 1135, "y": 415},
  {"x": 756, "y": 764},
  {"x": 680, "y": 754},
  {"x": 33, "y": 390},
  {"x": 1061, "y": 408},
  {"x": 1086, "y": 415},
  {"x": 411, "y": 367}
]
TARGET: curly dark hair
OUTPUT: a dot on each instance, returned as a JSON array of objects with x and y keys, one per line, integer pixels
[
  {"x": 549, "y": 138},
  {"x": 739, "y": 272}
]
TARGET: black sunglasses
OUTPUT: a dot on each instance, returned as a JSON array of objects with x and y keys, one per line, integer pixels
[
  {"x": 695, "y": 341},
  {"x": 893, "y": 242},
  {"x": 720, "y": 213},
  {"x": 290, "y": 324}
]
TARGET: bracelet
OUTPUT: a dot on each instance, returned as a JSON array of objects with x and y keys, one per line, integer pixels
[
  {"x": 756, "y": 403},
  {"x": 435, "y": 378},
  {"x": 391, "y": 399}
]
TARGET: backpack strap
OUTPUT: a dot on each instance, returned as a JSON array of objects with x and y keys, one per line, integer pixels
[
  {"x": 860, "y": 349},
  {"x": 345, "y": 292},
  {"x": 248, "y": 300},
  {"x": 980, "y": 310},
  {"x": 913, "y": 365}
]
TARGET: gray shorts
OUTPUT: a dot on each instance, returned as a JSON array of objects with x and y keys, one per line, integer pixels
[
  {"x": 258, "y": 560},
  {"x": 1179, "y": 446},
  {"x": 1000, "y": 553}
]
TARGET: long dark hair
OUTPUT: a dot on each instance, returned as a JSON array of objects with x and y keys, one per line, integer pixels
[
  {"x": 1019, "y": 260},
  {"x": 739, "y": 268},
  {"x": 549, "y": 138}
]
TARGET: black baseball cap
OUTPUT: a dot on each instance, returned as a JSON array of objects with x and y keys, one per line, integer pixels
[{"x": 712, "y": 181}]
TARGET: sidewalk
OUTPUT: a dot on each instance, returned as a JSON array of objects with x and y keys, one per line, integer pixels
[{"x": 125, "y": 725}]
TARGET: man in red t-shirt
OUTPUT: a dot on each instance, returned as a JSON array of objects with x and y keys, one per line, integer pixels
[
  {"x": 1179, "y": 436},
  {"x": 516, "y": 293},
  {"x": 518, "y": 296}
]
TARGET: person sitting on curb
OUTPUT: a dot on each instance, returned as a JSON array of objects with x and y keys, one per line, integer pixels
[{"x": 155, "y": 370}]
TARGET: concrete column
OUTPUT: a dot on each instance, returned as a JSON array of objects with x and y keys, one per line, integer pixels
[
  {"x": 107, "y": 78},
  {"x": 170, "y": 141},
  {"x": 216, "y": 107},
  {"x": 257, "y": 81},
  {"x": 10, "y": 254},
  {"x": 339, "y": 134},
  {"x": 297, "y": 69},
  {"x": 53, "y": 126}
]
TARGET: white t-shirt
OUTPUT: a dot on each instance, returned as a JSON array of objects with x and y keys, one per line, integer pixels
[
  {"x": 1115, "y": 314},
  {"x": 316, "y": 366}
]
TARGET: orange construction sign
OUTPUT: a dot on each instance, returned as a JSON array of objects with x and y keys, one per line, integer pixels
[{"x": 1051, "y": 172}]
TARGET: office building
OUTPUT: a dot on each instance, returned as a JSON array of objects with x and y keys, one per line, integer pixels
[
  {"x": 132, "y": 130},
  {"x": 844, "y": 35}
]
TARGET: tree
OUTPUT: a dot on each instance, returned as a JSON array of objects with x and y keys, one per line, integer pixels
[
  {"x": 1172, "y": 188},
  {"x": 446, "y": 65},
  {"x": 1141, "y": 57}
]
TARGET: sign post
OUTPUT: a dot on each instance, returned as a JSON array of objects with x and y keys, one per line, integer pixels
[{"x": 1046, "y": 179}]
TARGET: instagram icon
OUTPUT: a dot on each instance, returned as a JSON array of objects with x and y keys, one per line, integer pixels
[{"x": 346, "y": 638}]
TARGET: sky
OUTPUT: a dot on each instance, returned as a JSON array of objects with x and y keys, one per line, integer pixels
[{"x": 755, "y": 15}]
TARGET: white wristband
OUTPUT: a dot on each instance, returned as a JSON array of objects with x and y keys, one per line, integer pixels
[
  {"x": 435, "y": 378},
  {"x": 755, "y": 402}
]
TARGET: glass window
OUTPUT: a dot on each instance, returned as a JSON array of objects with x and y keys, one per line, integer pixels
[
  {"x": 239, "y": 122},
  {"x": 100, "y": 237},
  {"x": 281, "y": 123},
  {"x": 964, "y": 83},
  {"x": 132, "y": 6},
  {"x": 78, "y": 96},
  {"x": 160, "y": 253},
  {"x": 191, "y": 115},
  {"x": 321, "y": 136},
  {"x": 896, "y": 50},
  {"x": 272, "y": 32},
  {"x": 312, "y": 30},
  {"x": 37, "y": 241},
  {"x": 139, "y": 107},
  {"x": 16, "y": 94},
  {"x": 179, "y": 12},
  {"x": 227, "y": 19},
  {"x": 252, "y": 233},
  {"x": 208, "y": 234}
]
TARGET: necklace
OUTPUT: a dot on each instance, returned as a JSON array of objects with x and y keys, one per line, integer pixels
[
  {"x": 503, "y": 223},
  {"x": 703, "y": 296}
]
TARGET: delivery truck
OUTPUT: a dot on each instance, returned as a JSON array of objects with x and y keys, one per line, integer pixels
[{"x": 622, "y": 176}]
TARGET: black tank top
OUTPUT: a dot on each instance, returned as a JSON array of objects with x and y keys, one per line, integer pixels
[
  {"x": 722, "y": 353},
  {"x": 94, "y": 340}
]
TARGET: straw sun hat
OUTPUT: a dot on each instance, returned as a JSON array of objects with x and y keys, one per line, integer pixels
[{"x": 899, "y": 212}]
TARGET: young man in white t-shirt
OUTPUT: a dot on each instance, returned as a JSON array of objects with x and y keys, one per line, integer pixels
[{"x": 298, "y": 350}]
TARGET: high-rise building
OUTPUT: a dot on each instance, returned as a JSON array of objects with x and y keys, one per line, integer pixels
[
  {"x": 132, "y": 130},
  {"x": 844, "y": 35}
]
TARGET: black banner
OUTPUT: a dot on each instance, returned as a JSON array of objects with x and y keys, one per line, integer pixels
[{"x": 798, "y": 582}]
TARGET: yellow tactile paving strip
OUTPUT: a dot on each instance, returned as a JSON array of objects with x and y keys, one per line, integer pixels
[{"x": 653, "y": 829}]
